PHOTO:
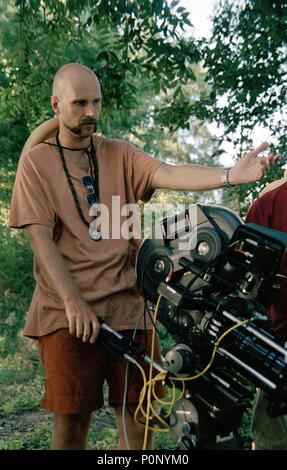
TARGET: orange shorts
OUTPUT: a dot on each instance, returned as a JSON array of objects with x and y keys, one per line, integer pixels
[{"x": 75, "y": 373}]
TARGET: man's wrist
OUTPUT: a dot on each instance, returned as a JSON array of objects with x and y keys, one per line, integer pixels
[
  {"x": 72, "y": 299},
  {"x": 226, "y": 178}
]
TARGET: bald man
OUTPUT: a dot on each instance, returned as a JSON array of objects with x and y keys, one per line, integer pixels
[{"x": 82, "y": 274}]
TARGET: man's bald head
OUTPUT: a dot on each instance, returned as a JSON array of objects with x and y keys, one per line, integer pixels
[
  {"x": 76, "y": 100},
  {"x": 71, "y": 76}
]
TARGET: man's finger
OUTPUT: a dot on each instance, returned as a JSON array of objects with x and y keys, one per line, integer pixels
[
  {"x": 265, "y": 162},
  {"x": 96, "y": 329},
  {"x": 87, "y": 332},
  {"x": 72, "y": 326},
  {"x": 259, "y": 149},
  {"x": 273, "y": 158},
  {"x": 79, "y": 328}
]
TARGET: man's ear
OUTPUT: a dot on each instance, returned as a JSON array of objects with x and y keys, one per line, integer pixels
[{"x": 55, "y": 105}]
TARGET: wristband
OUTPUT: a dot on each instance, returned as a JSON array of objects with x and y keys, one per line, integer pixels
[{"x": 224, "y": 178}]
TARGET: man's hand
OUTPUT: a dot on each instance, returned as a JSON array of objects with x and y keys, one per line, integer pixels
[
  {"x": 82, "y": 320},
  {"x": 252, "y": 167}
]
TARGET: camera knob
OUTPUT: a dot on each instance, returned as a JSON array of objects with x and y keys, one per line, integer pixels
[
  {"x": 159, "y": 266},
  {"x": 185, "y": 428},
  {"x": 203, "y": 249}
]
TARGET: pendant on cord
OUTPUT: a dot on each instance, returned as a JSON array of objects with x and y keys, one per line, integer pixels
[{"x": 94, "y": 233}]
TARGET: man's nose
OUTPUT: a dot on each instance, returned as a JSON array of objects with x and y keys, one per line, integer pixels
[{"x": 90, "y": 111}]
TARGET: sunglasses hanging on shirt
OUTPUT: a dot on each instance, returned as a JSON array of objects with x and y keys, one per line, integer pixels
[
  {"x": 90, "y": 183},
  {"x": 92, "y": 198},
  {"x": 93, "y": 203}
]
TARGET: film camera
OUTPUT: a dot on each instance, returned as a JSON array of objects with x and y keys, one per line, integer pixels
[{"x": 216, "y": 277}]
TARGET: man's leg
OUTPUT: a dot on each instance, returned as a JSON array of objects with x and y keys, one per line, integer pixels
[
  {"x": 135, "y": 432},
  {"x": 71, "y": 431},
  {"x": 74, "y": 375}
]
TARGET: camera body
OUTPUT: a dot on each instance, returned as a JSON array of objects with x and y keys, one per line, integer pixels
[{"x": 216, "y": 277}]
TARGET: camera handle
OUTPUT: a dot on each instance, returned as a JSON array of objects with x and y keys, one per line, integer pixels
[{"x": 126, "y": 347}]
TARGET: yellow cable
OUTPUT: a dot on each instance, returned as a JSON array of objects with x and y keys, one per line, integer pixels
[
  {"x": 142, "y": 394},
  {"x": 149, "y": 385},
  {"x": 213, "y": 352},
  {"x": 150, "y": 373}
]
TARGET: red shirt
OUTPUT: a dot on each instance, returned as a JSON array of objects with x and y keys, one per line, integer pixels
[{"x": 270, "y": 210}]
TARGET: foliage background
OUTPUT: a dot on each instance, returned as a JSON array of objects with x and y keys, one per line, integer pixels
[{"x": 161, "y": 87}]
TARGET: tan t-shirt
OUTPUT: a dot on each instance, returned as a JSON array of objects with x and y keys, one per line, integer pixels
[{"x": 103, "y": 270}]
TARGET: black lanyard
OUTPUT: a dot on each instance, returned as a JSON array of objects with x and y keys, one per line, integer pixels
[{"x": 93, "y": 164}]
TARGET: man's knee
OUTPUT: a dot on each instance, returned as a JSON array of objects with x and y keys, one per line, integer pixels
[
  {"x": 71, "y": 431},
  {"x": 72, "y": 422}
]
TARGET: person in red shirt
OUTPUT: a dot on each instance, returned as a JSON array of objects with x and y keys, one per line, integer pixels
[{"x": 270, "y": 210}]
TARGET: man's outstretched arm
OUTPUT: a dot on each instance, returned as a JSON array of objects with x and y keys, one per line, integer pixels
[
  {"x": 251, "y": 167},
  {"x": 248, "y": 169}
]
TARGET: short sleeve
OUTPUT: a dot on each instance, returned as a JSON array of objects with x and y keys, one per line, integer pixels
[
  {"x": 31, "y": 202},
  {"x": 141, "y": 170}
]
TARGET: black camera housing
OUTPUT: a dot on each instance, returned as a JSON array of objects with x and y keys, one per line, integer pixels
[{"x": 216, "y": 277}]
